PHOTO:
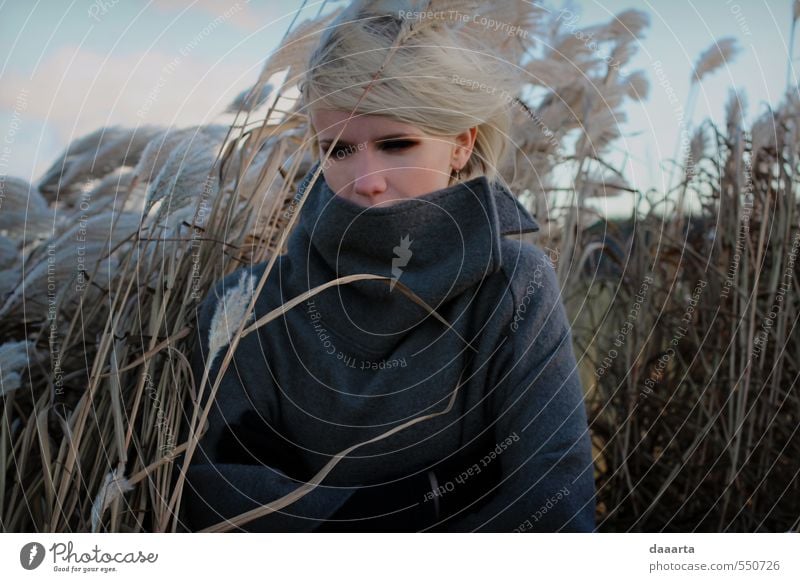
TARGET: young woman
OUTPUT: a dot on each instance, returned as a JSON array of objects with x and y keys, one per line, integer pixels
[{"x": 483, "y": 394}]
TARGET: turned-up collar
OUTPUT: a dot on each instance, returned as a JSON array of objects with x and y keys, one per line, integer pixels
[{"x": 439, "y": 245}]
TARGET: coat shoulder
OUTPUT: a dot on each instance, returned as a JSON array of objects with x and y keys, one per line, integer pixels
[
  {"x": 525, "y": 264},
  {"x": 534, "y": 291}
]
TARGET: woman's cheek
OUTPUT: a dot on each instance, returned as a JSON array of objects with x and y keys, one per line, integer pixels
[
  {"x": 335, "y": 176},
  {"x": 412, "y": 162}
]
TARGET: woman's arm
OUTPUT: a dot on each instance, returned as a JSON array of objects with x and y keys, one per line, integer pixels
[
  {"x": 240, "y": 463},
  {"x": 542, "y": 444}
]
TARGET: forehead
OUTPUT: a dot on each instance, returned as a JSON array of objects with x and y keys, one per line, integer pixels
[{"x": 328, "y": 122}]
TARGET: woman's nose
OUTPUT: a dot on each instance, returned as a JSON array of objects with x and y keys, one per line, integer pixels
[{"x": 369, "y": 180}]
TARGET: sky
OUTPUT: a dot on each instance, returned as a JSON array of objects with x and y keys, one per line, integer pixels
[{"x": 70, "y": 67}]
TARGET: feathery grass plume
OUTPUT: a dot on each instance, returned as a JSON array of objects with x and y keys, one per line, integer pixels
[
  {"x": 115, "y": 190},
  {"x": 734, "y": 131},
  {"x": 250, "y": 99},
  {"x": 264, "y": 190},
  {"x": 248, "y": 176},
  {"x": 792, "y": 131},
  {"x": 112, "y": 185},
  {"x": 114, "y": 486},
  {"x": 109, "y": 228},
  {"x": 791, "y": 105},
  {"x": 565, "y": 105},
  {"x": 518, "y": 15},
  {"x": 245, "y": 179},
  {"x": 601, "y": 122},
  {"x": 158, "y": 150},
  {"x": 123, "y": 149},
  {"x": 540, "y": 133},
  {"x": 468, "y": 7},
  {"x": 571, "y": 48},
  {"x": 23, "y": 210},
  {"x": 10, "y": 262},
  {"x": 717, "y": 55},
  {"x": 9, "y": 253},
  {"x": 15, "y": 357},
  {"x": 252, "y": 186},
  {"x": 294, "y": 51},
  {"x": 621, "y": 55},
  {"x": 18, "y": 195},
  {"x": 9, "y": 280},
  {"x": 698, "y": 145},
  {"x": 765, "y": 134},
  {"x": 628, "y": 26},
  {"x": 735, "y": 108},
  {"x": 638, "y": 87},
  {"x": 64, "y": 258},
  {"x": 609, "y": 96},
  {"x": 517, "y": 25},
  {"x": 49, "y": 183},
  {"x": 230, "y": 311},
  {"x": 714, "y": 57},
  {"x": 32, "y": 291},
  {"x": 187, "y": 173},
  {"x": 551, "y": 73},
  {"x": 599, "y": 112},
  {"x": 585, "y": 48},
  {"x": 10, "y": 265}
]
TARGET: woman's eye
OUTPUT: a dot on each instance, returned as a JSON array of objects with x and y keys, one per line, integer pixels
[
  {"x": 397, "y": 145},
  {"x": 341, "y": 151}
]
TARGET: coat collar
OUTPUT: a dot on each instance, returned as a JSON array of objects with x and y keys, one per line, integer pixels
[{"x": 439, "y": 245}]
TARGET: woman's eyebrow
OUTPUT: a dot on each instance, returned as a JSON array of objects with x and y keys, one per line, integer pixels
[
  {"x": 328, "y": 141},
  {"x": 396, "y": 136}
]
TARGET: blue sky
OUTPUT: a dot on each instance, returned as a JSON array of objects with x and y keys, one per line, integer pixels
[{"x": 70, "y": 67}]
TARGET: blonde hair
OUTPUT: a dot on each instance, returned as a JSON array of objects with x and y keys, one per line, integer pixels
[{"x": 441, "y": 79}]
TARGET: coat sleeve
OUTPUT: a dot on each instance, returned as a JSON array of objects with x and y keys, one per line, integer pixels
[
  {"x": 240, "y": 463},
  {"x": 542, "y": 443}
]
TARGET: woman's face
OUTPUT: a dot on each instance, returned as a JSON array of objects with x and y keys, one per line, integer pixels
[{"x": 379, "y": 160}]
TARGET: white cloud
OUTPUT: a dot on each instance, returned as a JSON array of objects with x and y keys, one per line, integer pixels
[
  {"x": 239, "y": 14},
  {"x": 75, "y": 91}
]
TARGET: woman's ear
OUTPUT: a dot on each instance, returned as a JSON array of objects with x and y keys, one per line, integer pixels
[{"x": 465, "y": 142}]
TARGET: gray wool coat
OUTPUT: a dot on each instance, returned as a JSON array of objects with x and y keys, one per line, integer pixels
[{"x": 497, "y": 436}]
